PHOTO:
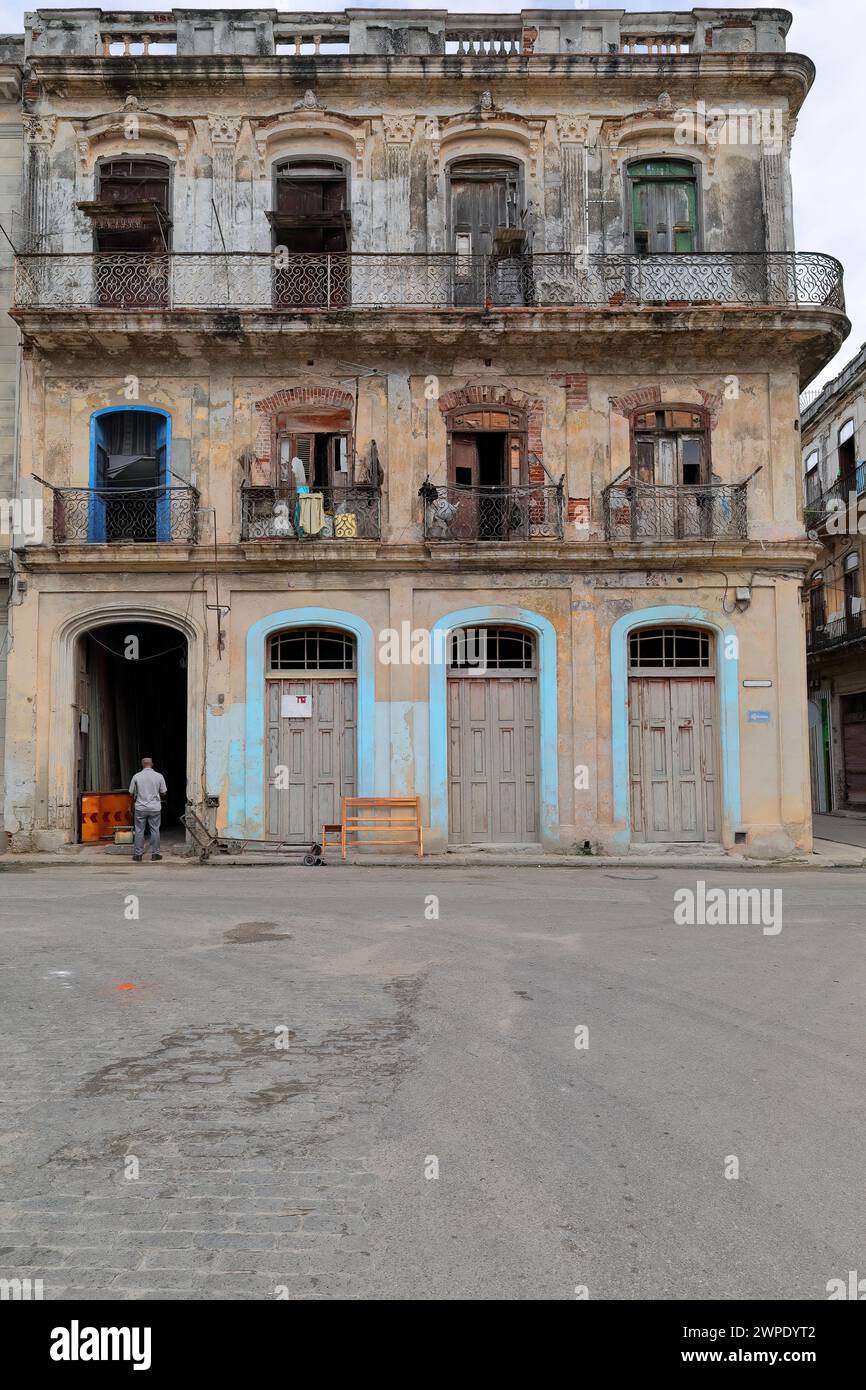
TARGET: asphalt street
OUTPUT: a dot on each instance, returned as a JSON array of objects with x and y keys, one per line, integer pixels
[{"x": 385, "y": 1083}]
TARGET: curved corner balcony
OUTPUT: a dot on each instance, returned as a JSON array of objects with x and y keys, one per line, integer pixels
[{"x": 260, "y": 282}]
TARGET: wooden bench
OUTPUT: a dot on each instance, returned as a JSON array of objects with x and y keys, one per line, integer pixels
[{"x": 374, "y": 820}]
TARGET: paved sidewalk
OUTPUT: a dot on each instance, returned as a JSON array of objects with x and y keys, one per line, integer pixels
[
  {"x": 828, "y": 853},
  {"x": 846, "y": 830}
]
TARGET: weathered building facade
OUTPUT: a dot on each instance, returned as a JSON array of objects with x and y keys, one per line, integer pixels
[
  {"x": 833, "y": 428},
  {"x": 11, "y": 167},
  {"x": 414, "y": 398}
]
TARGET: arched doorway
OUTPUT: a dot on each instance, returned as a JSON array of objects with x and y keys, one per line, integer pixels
[
  {"x": 487, "y": 467},
  {"x": 311, "y": 730},
  {"x": 130, "y": 702},
  {"x": 493, "y": 736},
  {"x": 673, "y": 734}
]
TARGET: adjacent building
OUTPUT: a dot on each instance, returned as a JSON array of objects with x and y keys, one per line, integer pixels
[
  {"x": 413, "y": 398},
  {"x": 834, "y": 426},
  {"x": 11, "y": 211}
]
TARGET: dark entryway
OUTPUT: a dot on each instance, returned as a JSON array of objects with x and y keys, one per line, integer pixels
[
  {"x": 131, "y": 703},
  {"x": 853, "y": 711},
  {"x": 311, "y": 222}
]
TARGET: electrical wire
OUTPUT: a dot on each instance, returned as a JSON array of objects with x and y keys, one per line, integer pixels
[{"x": 154, "y": 657}]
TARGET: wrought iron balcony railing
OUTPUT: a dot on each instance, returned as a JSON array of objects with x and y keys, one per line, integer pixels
[
  {"x": 646, "y": 511},
  {"x": 116, "y": 516},
  {"x": 838, "y": 630},
  {"x": 262, "y": 281},
  {"x": 453, "y": 513},
  {"x": 330, "y": 514},
  {"x": 820, "y": 505}
]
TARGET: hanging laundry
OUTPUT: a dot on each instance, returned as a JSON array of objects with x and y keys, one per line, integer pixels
[{"x": 310, "y": 513}]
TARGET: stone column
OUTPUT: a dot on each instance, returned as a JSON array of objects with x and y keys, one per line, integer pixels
[
  {"x": 572, "y": 138},
  {"x": 398, "y": 137},
  {"x": 224, "y": 131},
  {"x": 39, "y": 135},
  {"x": 773, "y": 190}
]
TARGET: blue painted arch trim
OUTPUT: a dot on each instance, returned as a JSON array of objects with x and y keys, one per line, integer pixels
[
  {"x": 246, "y": 806},
  {"x": 548, "y": 779},
  {"x": 728, "y": 686},
  {"x": 96, "y": 506}
]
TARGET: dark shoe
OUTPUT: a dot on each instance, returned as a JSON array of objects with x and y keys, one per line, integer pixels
[
  {"x": 136, "y": 859},
  {"x": 156, "y": 856}
]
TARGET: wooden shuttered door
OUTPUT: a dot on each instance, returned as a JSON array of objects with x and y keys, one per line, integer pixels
[
  {"x": 854, "y": 749},
  {"x": 673, "y": 771},
  {"x": 311, "y": 761}
]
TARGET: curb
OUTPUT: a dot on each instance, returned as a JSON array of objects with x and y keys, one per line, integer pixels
[{"x": 21, "y": 863}]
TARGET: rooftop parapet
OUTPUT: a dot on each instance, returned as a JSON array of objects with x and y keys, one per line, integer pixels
[{"x": 399, "y": 33}]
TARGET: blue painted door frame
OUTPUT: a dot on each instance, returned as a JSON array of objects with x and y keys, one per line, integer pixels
[{"x": 96, "y": 529}]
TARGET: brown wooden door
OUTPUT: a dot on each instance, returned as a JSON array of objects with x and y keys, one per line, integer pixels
[
  {"x": 854, "y": 750},
  {"x": 673, "y": 759},
  {"x": 311, "y": 760},
  {"x": 493, "y": 759}
]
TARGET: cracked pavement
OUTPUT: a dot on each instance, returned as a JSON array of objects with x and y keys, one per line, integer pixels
[{"x": 242, "y": 1093}]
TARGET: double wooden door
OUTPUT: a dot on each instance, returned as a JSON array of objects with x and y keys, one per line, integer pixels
[
  {"x": 312, "y": 757},
  {"x": 673, "y": 741},
  {"x": 493, "y": 759}
]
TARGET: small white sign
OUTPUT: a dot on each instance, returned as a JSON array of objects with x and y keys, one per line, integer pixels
[{"x": 296, "y": 707}]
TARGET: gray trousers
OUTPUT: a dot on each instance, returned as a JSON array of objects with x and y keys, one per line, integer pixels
[{"x": 146, "y": 818}]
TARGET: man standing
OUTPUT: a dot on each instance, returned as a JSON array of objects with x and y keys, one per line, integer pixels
[{"x": 148, "y": 787}]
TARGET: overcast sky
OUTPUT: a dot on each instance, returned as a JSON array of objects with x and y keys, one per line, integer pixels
[{"x": 829, "y": 188}]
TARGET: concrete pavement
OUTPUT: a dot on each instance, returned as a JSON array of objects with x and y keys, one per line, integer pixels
[{"x": 306, "y": 1083}]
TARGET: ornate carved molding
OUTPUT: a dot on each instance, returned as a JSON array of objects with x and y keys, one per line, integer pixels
[
  {"x": 656, "y": 123},
  {"x": 148, "y": 129},
  {"x": 573, "y": 129},
  {"x": 399, "y": 129},
  {"x": 224, "y": 130},
  {"x": 528, "y": 132},
  {"x": 269, "y": 130},
  {"x": 39, "y": 130}
]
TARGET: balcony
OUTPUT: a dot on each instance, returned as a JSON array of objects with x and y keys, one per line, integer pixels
[
  {"x": 279, "y": 513},
  {"x": 260, "y": 282},
  {"x": 455, "y": 513},
  {"x": 663, "y": 512},
  {"x": 123, "y": 516},
  {"x": 835, "y": 498},
  {"x": 840, "y": 630}
]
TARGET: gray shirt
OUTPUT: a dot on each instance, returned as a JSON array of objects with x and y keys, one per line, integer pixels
[{"x": 147, "y": 786}]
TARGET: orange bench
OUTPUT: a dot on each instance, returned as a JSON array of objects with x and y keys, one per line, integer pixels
[{"x": 374, "y": 820}]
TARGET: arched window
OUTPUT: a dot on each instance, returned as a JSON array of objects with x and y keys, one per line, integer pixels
[
  {"x": 670, "y": 445},
  {"x": 812, "y": 476},
  {"x": 311, "y": 649},
  {"x": 663, "y": 205},
  {"x": 680, "y": 649},
  {"x": 490, "y": 649},
  {"x": 132, "y": 208},
  {"x": 847, "y": 446},
  {"x": 311, "y": 221},
  {"x": 484, "y": 198},
  {"x": 129, "y": 471},
  {"x": 311, "y": 205}
]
